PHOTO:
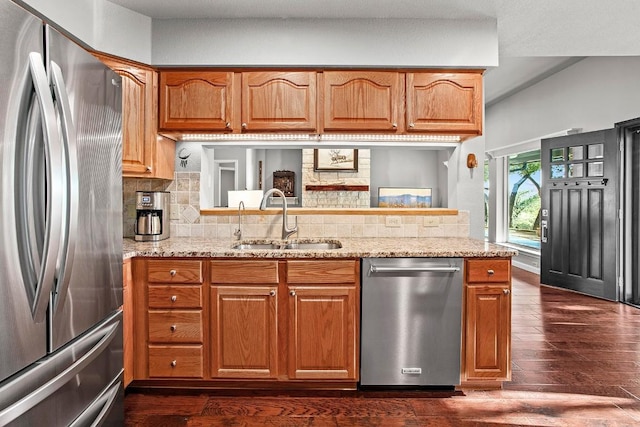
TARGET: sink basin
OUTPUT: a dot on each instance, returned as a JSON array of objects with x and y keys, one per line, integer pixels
[
  {"x": 250, "y": 246},
  {"x": 288, "y": 245},
  {"x": 313, "y": 245}
]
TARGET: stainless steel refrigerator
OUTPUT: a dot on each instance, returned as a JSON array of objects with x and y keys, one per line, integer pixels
[{"x": 60, "y": 229}]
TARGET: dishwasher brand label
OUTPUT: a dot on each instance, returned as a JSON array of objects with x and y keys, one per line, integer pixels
[{"x": 412, "y": 371}]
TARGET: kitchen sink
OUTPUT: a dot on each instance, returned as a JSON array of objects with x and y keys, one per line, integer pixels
[
  {"x": 296, "y": 244},
  {"x": 250, "y": 246},
  {"x": 313, "y": 245}
]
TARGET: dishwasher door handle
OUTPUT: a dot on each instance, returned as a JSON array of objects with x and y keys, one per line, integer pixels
[{"x": 376, "y": 269}]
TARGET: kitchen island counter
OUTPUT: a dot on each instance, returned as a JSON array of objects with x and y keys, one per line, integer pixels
[{"x": 351, "y": 248}]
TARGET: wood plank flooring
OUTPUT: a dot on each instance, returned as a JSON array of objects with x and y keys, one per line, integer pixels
[{"x": 576, "y": 362}]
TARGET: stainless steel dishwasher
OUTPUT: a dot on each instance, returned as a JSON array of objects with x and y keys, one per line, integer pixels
[{"x": 411, "y": 322}]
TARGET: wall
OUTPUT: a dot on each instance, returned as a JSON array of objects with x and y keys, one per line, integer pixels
[
  {"x": 406, "y": 168},
  {"x": 321, "y": 42},
  {"x": 186, "y": 220},
  {"x": 592, "y": 94},
  {"x": 99, "y": 25},
  {"x": 335, "y": 199}
]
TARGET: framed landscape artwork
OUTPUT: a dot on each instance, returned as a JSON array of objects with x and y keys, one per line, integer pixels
[
  {"x": 404, "y": 197},
  {"x": 339, "y": 159}
]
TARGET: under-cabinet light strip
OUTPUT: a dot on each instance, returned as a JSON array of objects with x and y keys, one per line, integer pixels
[{"x": 320, "y": 138}]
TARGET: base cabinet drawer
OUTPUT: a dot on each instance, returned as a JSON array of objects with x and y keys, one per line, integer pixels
[
  {"x": 175, "y": 362},
  {"x": 175, "y": 326}
]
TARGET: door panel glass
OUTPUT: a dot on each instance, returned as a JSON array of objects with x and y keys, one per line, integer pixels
[
  {"x": 595, "y": 151},
  {"x": 576, "y": 153},
  {"x": 557, "y": 172},
  {"x": 575, "y": 170},
  {"x": 595, "y": 169},
  {"x": 557, "y": 155}
]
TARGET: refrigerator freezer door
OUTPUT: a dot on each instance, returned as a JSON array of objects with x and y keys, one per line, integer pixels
[
  {"x": 76, "y": 382},
  {"x": 95, "y": 279},
  {"x": 22, "y": 340}
]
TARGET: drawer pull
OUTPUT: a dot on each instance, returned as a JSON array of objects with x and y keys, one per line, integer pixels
[
  {"x": 172, "y": 273},
  {"x": 174, "y": 363},
  {"x": 173, "y": 328},
  {"x": 506, "y": 291},
  {"x": 174, "y": 298},
  {"x": 292, "y": 293},
  {"x": 490, "y": 272},
  {"x": 272, "y": 293}
]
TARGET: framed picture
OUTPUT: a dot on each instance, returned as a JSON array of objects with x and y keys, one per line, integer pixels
[
  {"x": 404, "y": 197},
  {"x": 338, "y": 159}
]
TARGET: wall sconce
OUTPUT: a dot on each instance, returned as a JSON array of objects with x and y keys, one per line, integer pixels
[{"x": 472, "y": 162}]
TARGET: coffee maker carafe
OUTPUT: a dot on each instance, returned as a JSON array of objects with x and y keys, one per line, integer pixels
[{"x": 152, "y": 216}]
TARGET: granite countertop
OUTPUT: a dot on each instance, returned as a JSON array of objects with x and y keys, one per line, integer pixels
[{"x": 351, "y": 248}]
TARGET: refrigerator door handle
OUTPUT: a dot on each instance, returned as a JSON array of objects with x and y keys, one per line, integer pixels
[
  {"x": 70, "y": 187},
  {"x": 99, "y": 410},
  {"x": 105, "y": 336},
  {"x": 54, "y": 187}
]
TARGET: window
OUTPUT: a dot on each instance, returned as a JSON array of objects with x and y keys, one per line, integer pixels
[{"x": 523, "y": 199}]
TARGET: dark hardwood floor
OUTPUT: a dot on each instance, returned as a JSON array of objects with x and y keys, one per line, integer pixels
[{"x": 576, "y": 362}]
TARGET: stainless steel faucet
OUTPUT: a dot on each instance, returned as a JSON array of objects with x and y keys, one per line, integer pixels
[
  {"x": 286, "y": 231},
  {"x": 238, "y": 232}
]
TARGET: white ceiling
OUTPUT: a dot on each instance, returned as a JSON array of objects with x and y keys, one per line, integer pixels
[{"x": 536, "y": 38}]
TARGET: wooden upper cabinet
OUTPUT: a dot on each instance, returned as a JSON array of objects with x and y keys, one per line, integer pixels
[
  {"x": 144, "y": 154},
  {"x": 196, "y": 100},
  {"x": 279, "y": 100},
  {"x": 361, "y": 100},
  {"x": 447, "y": 103}
]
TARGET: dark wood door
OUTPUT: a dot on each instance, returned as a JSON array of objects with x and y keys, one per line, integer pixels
[{"x": 579, "y": 213}]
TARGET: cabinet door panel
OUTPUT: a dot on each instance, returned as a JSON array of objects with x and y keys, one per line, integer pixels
[
  {"x": 444, "y": 102},
  {"x": 361, "y": 100},
  {"x": 275, "y": 100},
  {"x": 322, "y": 333},
  {"x": 244, "y": 332},
  {"x": 488, "y": 332},
  {"x": 196, "y": 100}
]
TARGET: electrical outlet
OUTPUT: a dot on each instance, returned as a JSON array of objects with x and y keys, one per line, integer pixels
[
  {"x": 393, "y": 221},
  {"x": 431, "y": 221}
]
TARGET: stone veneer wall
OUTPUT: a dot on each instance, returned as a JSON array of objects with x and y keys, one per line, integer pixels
[
  {"x": 336, "y": 199},
  {"x": 186, "y": 220}
]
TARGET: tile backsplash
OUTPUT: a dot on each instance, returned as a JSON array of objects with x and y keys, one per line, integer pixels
[{"x": 186, "y": 220}]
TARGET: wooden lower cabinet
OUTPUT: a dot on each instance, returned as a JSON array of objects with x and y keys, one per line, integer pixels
[
  {"x": 487, "y": 330},
  {"x": 249, "y": 323},
  {"x": 244, "y": 331},
  {"x": 312, "y": 315},
  {"x": 322, "y": 332},
  {"x": 127, "y": 313}
]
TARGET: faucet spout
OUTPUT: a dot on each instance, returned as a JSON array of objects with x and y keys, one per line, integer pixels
[
  {"x": 238, "y": 232},
  {"x": 286, "y": 231}
]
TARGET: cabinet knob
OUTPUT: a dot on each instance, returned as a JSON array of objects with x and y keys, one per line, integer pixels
[
  {"x": 174, "y": 298},
  {"x": 172, "y": 273},
  {"x": 395, "y": 126},
  {"x": 506, "y": 291},
  {"x": 244, "y": 126},
  {"x": 227, "y": 125},
  {"x": 148, "y": 168},
  {"x": 292, "y": 293},
  {"x": 412, "y": 125},
  {"x": 490, "y": 272},
  {"x": 174, "y": 363},
  {"x": 272, "y": 293},
  {"x": 173, "y": 328}
]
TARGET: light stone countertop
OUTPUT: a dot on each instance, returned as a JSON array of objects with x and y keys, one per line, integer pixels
[{"x": 351, "y": 248}]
